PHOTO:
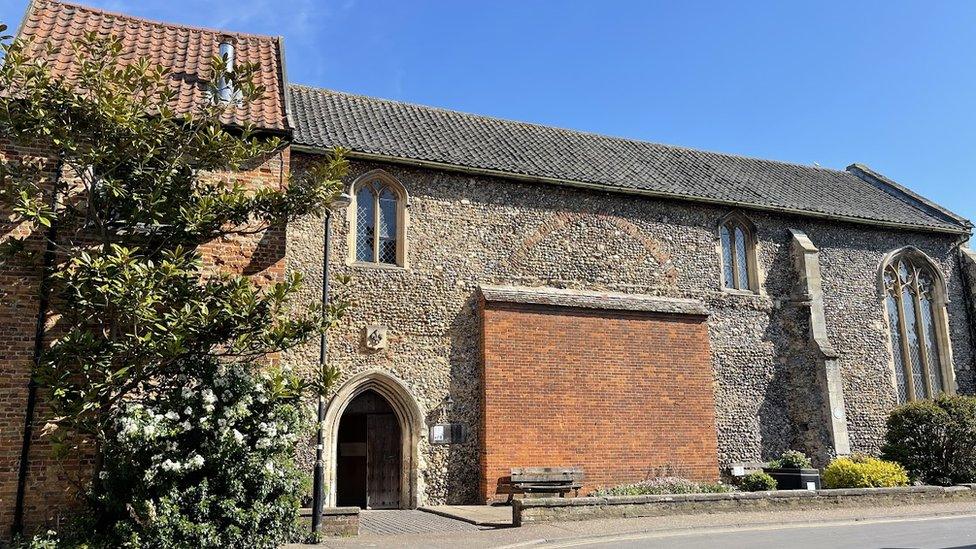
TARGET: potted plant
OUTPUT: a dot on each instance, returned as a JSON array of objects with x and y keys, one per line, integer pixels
[{"x": 793, "y": 471}]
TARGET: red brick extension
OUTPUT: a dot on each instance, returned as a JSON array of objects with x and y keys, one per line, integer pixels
[{"x": 615, "y": 393}]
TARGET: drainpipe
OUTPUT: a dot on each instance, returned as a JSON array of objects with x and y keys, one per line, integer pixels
[
  {"x": 43, "y": 298},
  {"x": 318, "y": 478}
]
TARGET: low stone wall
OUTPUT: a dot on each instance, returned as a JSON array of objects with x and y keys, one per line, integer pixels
[
  {"x": 337, "y": 521},
  {"x": 557, "y": 509}
]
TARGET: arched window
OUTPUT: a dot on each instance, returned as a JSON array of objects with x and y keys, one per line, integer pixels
[
  {"x": 915, "y": 307},
  {"x": 738, "y": 254},
  {"x": 380, "y": 219}
]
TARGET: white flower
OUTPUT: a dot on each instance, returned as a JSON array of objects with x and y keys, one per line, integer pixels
[
  {"x": 170, "y": 465},
  {"x": 129, "y": 428},
  {"x": 188, "y": 411},
  {"x": 196, "y": 461},
  {"x": 186, "y": 425},
  {"x": 208, "y": 396},
  {"x": 172, "y": 416},
  {"x": 238, "y": 436},
  {"x": 269, "y": 466}
]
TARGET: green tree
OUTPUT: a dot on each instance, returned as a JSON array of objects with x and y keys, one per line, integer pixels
[{"x": 140, "y": 317}]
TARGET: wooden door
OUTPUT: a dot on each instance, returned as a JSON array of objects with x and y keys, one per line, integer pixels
[{"x": 382, "y": 461}]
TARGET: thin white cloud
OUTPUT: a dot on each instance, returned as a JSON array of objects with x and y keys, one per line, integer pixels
[{"x": 297, "y": 19}]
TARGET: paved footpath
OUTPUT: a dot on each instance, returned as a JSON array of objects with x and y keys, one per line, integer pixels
[{"x": 931, "y": 525}]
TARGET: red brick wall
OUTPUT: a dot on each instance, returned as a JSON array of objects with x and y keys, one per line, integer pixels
[
  {"x": 260, "y": 256},
  {"x": 52, "y": 485},
  {"x": 618, "y": 394},
  {"x": 19, "y": 284}
]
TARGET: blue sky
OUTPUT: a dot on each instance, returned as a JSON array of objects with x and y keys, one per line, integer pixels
[{"x": 891, "y": 84}]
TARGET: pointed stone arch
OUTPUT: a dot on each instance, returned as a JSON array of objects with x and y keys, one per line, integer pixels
[
  {"x": 913, "y": 253},
  {"x": 409, "y": 416},
  {"x": 731, "y": 278},
  {"x": 903, "y": 320},
  {"x": 385, "y": 180}
]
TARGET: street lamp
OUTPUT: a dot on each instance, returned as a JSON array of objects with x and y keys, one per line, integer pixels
[{"x": 318, "y": 479}]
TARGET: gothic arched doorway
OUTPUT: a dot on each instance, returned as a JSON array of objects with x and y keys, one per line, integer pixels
[
  {"x": 368, "y": 460},
  {"x": 373, "y": 409}
]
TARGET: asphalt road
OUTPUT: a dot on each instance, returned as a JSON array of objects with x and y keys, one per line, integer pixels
[{"x": 904, "y": 533}]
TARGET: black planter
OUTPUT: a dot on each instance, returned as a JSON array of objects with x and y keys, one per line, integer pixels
[{"x": 795, "y": 479}]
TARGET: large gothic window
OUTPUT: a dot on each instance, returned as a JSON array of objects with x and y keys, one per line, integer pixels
[
  {"x": 738, "y": 254},
  {"x": 378, "y": 226},
  {"x": 914, "y": 307}
]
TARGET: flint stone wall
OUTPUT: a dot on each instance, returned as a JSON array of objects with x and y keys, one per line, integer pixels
[{"x": 466, "y": 230}]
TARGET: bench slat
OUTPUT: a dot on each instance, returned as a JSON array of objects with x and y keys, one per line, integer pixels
[{"x": 546, "y": 474}]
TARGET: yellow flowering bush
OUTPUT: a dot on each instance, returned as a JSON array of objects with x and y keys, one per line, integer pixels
[{"x": 864, "y": 472}]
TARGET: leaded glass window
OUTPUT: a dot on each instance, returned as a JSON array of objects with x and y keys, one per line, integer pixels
[
  {"x": 737, "y": 250},
  {"x": 377, "y": 213},
  {"x": 910, "y": 288}
]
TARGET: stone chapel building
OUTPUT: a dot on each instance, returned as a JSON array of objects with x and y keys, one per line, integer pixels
[{"x": 536, "y": 296}]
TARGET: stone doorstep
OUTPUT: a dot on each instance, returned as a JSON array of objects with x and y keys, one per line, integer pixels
[{"x": 546, "y": 509}]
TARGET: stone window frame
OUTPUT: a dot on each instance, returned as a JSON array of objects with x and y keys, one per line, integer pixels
[
  {"x": 731, "y": 221},
  {"x": 402, "y": 218},
  {"x": 940, "y": 322}
]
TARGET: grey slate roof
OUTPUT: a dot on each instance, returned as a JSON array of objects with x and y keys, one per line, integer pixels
[{"x": 395, "y": 130}]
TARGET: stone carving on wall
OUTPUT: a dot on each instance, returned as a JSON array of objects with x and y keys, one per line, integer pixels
[{"x": 375, "y": 337}]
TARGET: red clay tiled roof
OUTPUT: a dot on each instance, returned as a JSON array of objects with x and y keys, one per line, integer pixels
[{"x": 186, "y": 51}]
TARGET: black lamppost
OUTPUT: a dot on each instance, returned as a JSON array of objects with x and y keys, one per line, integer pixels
[{"x": 318, "y": 480}]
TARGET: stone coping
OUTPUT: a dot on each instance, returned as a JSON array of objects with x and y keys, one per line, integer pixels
[
  {"x": 734, "y": 496},
  {"x": 584, "y": 508},
  {"x": 588, "y": 299}
]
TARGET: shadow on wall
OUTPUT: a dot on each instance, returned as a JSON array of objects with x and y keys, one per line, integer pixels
[
  {"x": 791, "y": 415},
  {"x": 463, "y": 459},
  {"x": 268, "y": 251}
]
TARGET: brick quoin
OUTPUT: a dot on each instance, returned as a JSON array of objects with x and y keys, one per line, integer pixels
[{"x": 619, "y": 394}]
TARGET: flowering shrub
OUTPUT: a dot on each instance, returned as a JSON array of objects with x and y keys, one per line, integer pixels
[
  {"x": 757, "y": 482},
  {"x": 210, "y": 466},
  {"x": 864, "y": 472},
  {"x": 662, "y": 485},
  {"x": 791, "y": 459}
]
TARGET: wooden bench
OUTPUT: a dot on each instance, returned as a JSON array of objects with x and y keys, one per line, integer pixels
[{"x": 544, "y": 481}]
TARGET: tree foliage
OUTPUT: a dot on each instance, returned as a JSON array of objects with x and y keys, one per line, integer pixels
[{"x": 140, "y": 312}]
